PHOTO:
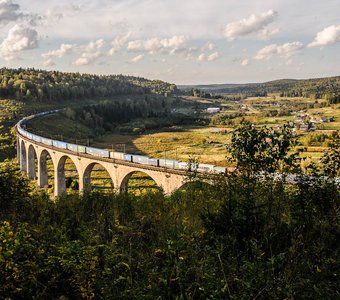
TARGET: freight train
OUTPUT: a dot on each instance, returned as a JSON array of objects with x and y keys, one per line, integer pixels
[{"x": 139, "y": 159}]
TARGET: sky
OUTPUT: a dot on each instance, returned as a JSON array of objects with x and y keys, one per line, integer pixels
[{"x": 179, "y": 41}]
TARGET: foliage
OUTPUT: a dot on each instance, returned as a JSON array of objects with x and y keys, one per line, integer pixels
[
  {"x": 238, "y": 237},
  {"x": 326, "y": 88},
  {"x": 262, "y": 149},
  {"x": 47, "y": 86}
]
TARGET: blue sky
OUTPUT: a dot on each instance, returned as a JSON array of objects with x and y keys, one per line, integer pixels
[{"x": 185, "y": 42}]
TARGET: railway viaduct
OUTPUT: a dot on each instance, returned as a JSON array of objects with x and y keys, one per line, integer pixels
[{"x": 30, "y": 152}]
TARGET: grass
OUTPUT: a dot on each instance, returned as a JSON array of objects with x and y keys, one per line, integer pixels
[{"x": 189, "y": 141}]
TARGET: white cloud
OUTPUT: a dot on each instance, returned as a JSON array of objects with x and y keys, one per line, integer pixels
[
  {"x": 19, "y": 38},
  {"x": 286, "y": 50},
  {"x": 201, "y": 57},
  {"x": 119, "y": 42},
  {"x": 209, "y": 57},
  {"x": 9, "y": 11},
  {"x": 266, "y": 52},
  {"x": 214, "y": 56},
  {"x": 265, "y": 33},
  {"x": 252, "y": 24},
  {"x": 328, "y": 36},
  {"x": 137, "y": 58},
  {"x": 245, "y": 62},
  {"x": 87, "y": 58},
  {"x": 48, "y": 63},
  {"x": 90, "y": 53},
  {"x": 61, "y": 52},
  {"x": 156, "y": 45},
  {"x": 96, "y": 45}
]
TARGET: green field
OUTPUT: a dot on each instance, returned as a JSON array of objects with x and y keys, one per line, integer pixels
[{"x": 197, "y": 142}]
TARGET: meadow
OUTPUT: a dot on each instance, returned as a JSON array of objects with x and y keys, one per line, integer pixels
[{"x": 199, "y": 142}]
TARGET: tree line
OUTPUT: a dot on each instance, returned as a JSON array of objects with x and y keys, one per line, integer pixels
[
  {"x": 50, "y": 86},
  {"x": 326, "y": 88}
]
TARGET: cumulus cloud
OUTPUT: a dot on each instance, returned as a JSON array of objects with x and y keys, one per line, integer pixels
[
  {"x": 249, "y": 25},
  {"x": 201, "y": 57},
  {"x": 61, "y": 52},
  {"x": 265, "y": 34},
  {"x": 9, "y": 11},
  {"x": 19, "y": 38},
  {"x": 156, "y": 45},
  {"x": 286, "y": 50},
  {"x": 214, "y": 56},
  {"x": 328, "y": 36},
  {"x": 119, "y": 42},
  {"x": 209, "y": 57},
  {"x": 137, "y": 58},
  {"x": 90, "y": 53},
  {"x": 245, "y": 62}
]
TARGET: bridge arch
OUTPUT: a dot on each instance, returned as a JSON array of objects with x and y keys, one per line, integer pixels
[
  {"x": 43, "y": 159},
  {"x": 135, "y": 175},
  {"x": 98, "y": 168},
  {"x": 197, "y": 185},
  {"x": 31, "y": 162},
  {"x": 23, "y": 156},
  {"x": 60, "y": 178}
]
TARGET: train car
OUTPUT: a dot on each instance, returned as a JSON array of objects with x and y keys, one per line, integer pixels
[
  {"x": 183, "y": 165},
  {"x": 81, "y": 149},
  {"x": 37, "y": 138},
  {"x": 168, "y": 163},
  {"x": 29, "y": 135},
  {"x": 76, "y": 148},
  {"x": 117, "y": 155},
  {"x": 97, "y": 152},
  {"x": 219, "y": 170},
  {"x": 46, "y": 141},
  {"x": 154, "y": 162},
  {"x": 128, "y": 157},
  {"x": 59, "y": 144},
  {"x": 205, "y": 168},
  {"x": 140, "y": 159}
]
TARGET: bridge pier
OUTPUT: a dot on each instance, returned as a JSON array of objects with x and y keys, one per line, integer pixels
[
  {"x": 18, "y": 151},
  {"x": 31, "y": 163},
  {"x": 23, "y": 157},
  {"x": 42, "y": 170},
  {"x": 59, "y": 181}
]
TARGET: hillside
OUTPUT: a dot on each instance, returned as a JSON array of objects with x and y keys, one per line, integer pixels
[
  {"x": 32, "y": 85},
  {"x": 26, "y": 91},
  {"x": 327, "y": 88}
]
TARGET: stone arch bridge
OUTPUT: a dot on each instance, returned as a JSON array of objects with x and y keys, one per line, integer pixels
[{"x": 30, "y": 151}]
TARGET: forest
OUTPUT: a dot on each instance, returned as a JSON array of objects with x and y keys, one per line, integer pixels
[
  {"x": 326, "y": 88},
  {"x": 31, "y": 85},
  {"x": 242, "y": 236}
]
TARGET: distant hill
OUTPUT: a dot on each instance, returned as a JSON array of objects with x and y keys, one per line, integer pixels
[
  {"x": 48, "y": 86},
  {"x": 328, "y": 87}
]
